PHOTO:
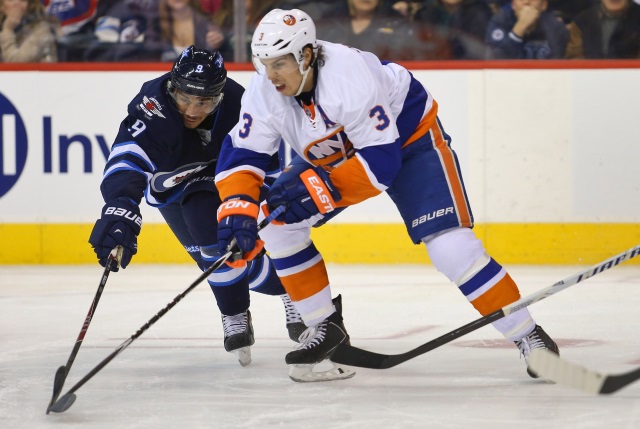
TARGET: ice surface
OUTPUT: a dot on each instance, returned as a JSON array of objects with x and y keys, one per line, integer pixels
[{"x": 177, "y": 374}]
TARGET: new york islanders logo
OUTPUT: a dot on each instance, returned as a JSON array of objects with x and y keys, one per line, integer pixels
[
  {"x": 289, "y": 19},
  {"x": 331, "y": 150}
]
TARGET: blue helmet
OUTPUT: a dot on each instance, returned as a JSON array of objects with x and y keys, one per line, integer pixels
[{"x": 199, "y": 72}]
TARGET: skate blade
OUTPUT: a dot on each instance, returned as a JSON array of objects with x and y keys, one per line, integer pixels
[
  {"x": 323, "y": 371},
  {"x": 244, "y": 355}
]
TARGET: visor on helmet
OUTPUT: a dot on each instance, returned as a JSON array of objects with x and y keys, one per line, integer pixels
[{"x": 195, "y": 104}]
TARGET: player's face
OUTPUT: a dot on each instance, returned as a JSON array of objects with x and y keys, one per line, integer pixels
[
  {"x": 284, "y": 74},
  {"x": 195, "y": 109}
]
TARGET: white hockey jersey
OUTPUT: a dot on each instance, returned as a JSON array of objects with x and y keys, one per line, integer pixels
[{"x": 362, "y": 114}]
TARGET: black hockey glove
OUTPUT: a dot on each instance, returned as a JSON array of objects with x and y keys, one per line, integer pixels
[{"x": 119, "y": 225}]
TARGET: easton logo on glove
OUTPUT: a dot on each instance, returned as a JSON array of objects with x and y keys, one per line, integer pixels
[
  {"x": 127, "y": 214},
  {"x": 318, "y": 191}
]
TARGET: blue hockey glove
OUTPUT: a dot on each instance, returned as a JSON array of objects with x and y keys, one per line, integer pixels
[
  {"x": 305, "y": 194},
  {"x": 119, "y": 225},
  {"x": 237, "y": 218}
]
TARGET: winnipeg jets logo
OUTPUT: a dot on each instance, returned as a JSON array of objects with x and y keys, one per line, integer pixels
[
  {"x": 289, "y": 19},
  {"x": 177, "y": 179},
  {"x": 163, "y": 181},
  {"x": 151, "y": 106}
]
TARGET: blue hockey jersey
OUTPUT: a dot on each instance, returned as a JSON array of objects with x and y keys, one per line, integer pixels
[{"x": 154, "y": 153}]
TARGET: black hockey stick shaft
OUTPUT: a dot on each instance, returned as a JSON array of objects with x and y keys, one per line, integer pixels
[
  {"x": 61, "y": 374},
  {"x": 69, "y": 398},
  {"x": 354, "y": 356}
]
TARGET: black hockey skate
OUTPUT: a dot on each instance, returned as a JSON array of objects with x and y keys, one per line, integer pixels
[
  {"x": 295, "y": 325},
  {"x": 317, "y": 344},
  {"x": 238, "y": 336},
  {"x": 537, "y": 339}
]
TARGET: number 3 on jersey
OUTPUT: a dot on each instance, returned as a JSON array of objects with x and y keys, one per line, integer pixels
[
  {"x": 383, "y": 119},
  {"x": 246, "y": 128}
]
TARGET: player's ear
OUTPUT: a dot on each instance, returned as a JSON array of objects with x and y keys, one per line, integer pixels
[{"x": 308, "y": 56}]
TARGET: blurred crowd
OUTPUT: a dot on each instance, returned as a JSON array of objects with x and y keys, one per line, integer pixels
[{"x": 158, "y": 30}]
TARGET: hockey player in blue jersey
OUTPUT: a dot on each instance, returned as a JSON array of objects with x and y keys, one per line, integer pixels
[{"x": 166, "y": 151}]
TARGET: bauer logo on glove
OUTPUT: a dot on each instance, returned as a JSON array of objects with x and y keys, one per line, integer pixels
[
  {"x": 119, "y": 225},
  {"x": 127, "y": 214}
]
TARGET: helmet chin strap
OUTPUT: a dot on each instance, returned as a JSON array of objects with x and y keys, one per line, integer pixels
[{"x": 305, "y": 74}]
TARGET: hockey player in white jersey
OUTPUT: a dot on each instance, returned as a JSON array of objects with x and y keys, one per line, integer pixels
[{"x": 359, "y": 127}]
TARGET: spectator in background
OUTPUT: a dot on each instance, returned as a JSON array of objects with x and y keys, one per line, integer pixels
[
  {"x": 610, "y": 29},
  {"x": 77, "y": 20},
  {"x": 316, "y": 9},
  {"x": 460, "y": 24},
  {"x": 210, "y": 7},
  {"x": 566, "y": 10},
  {"x": 153, "y": 30},
  {"x": 526, "y": 31},
  {"x": 255, "y": 10},
  {"x": 27, "y": 34},
  {"x": 406, "y": 8},
  {"x": 181, "y": 24},
  {"x": 120, "y": 32},
  {"x": 497, "y": 5},
  {"x": 72, "y": 14},
  {"x": 365, "y": 25}
]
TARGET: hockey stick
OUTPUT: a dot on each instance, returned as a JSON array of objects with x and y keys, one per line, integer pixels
[
  {"x": 561, "y": 371},
  {"x": 69, "y": 398},
  {"x": 61, "y": 374},
  {"x": 353, "y": 356}
]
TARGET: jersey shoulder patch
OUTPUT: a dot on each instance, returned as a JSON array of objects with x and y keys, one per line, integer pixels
[
  {"x": 151, "y": 106},
  {"x": 152, "y": 100}
]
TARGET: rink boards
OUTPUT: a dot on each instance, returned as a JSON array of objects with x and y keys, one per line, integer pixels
[{"x": 549, "y": 157}]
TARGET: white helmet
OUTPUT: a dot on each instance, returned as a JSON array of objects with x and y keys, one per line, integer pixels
[{"x": 283, "y": 32}]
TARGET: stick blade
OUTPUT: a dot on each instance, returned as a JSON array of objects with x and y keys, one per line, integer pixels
[
  {"x": 353, "y": 356},
  {"x": 552, "y": 367},
  {"x": 58, "y": 384},
  {"x": 64, "y": 403},
  {"x": 613, "y": 383}
]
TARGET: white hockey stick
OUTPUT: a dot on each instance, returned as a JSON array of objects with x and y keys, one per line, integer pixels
[
  {"x": 350, "y": 355},
  {"x": 552, "y": 367}
]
